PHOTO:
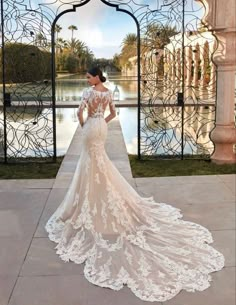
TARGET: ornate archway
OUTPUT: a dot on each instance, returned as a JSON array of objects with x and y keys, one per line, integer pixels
[{"x": 174, "y": 103}]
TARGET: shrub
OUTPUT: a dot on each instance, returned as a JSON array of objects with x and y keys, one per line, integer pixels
[
  {"x": 72, "y": 63},
  {"x": 25, "y": 63}
]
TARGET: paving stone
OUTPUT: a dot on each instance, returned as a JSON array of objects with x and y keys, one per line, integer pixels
[
  {"x": 54, "y": 200},
  {"x": 187, "y": 193},
  {"x": 179, "y": 180},
  {"x": 71, "y": 158},
  {"x": 68, "y": 167},
  {"x": 69, "y": 290},
  {"x": 46, "y": 280},
  {"x": 221, "y": 291},
  {"x": 224, "y": 241},
  {"x": 63, "y": 180},
  {"x": 230, "y": 181},
  {"x": 50, "y": 290},
  {"x": 6, "y": 285},
  {"x": 12, "y": 254},
  {"x": 42, "y": 260},
  {"x": 221, "y": 216},
  {"x": 20, "y": 212},
  {"x": 19, "y": 184}
]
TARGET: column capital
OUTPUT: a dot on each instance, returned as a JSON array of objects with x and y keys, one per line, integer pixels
[{"x": 220, "y": 15}]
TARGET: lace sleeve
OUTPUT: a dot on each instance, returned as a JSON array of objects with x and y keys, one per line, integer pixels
[
  {"x": 111, "y": 102},
  {"x": 84, "y": 100}
]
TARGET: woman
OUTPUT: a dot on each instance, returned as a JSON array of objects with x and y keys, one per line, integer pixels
[{"x": 122, "y": 237}]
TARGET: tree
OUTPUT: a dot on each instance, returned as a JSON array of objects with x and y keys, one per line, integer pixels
[
  {"x": 116, "y": 62},
  {"x": 25, "y": 63},
  {"x": 57, "y": 30},
  {"x": 158, "y": 35},
  {"x": 75, "y": 46},
  {"x": 61, "y": 44},
  {"x": 129, "y": 49},
  {"x": 156, "y": 38},
  {"x": 72, "y": 63},
  {"x": 86, "y": 58},
  {"x": 72, "y": 28},
  {"x": 129, "y": 44},
  {"x": 40, "y": 40}
]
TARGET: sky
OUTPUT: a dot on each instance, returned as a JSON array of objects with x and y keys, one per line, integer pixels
[{"x": 101, "y": 27}]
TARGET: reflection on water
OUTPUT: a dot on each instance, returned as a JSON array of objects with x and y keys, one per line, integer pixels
[
  {"x": 67, "y": 124},
  {"x": 161, "y": 126},
  {"x": 167, "y": 125},
  {"x": 128, "y": 122},
  {"x": 162, "y": 129},
  {"x": 167, "y": 138},
  {"x": 69, "y": 88}
]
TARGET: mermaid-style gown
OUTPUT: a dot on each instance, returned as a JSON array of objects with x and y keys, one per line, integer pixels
[{"x": 125, "y": 239}]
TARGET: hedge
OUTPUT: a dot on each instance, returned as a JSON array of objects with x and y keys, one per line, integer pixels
[{"x": 25, "y": 63}]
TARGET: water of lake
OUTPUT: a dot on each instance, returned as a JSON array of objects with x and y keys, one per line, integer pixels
[
  {"x": 167, "y": 131},
  {"x": 164, "y": 130},
  {"x": 69, "y": 88}
]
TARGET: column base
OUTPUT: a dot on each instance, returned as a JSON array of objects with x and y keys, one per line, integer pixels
[
  {"x": 224, "y": 155},
  {"x": 224, "y": 138}
]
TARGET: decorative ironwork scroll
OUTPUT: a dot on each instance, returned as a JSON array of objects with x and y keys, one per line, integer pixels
[
  {"x": 28, "y": 113},
  {"x": 176, "y": 77},
  {"x": 178, "y": 81}
]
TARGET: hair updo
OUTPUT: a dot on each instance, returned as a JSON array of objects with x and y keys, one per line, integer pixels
[{"x": 96, "y": 71}]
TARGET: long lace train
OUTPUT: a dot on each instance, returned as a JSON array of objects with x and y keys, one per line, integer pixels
[{"x": 125, "y": 239}]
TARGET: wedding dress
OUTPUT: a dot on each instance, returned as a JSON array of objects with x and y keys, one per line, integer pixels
[{"x": 125, "y": 239}]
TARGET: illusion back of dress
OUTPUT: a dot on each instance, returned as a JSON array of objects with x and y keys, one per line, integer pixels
[{"x": 96, "y": 102}]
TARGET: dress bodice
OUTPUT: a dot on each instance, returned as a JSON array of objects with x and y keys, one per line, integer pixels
[{"x": 96, "y": 102}]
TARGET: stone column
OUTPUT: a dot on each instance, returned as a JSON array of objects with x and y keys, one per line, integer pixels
[
  {"x": 172, "y": 77},
  {"x": 189, "y": 58},
  {"x": 168, "y": 71},
  {"x": 178, "y": 70},
  {"x": 203, "y": 72},
  {"x": 196, "y": 66},
  {"x": 212, "y": 83},
  {"x": 221, "y": 19}
]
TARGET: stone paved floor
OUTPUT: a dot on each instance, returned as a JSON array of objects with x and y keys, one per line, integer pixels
[{"x": 32, "y": 274}]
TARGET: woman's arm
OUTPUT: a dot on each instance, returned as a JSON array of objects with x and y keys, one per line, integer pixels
[
  {"x": 81, "y": 107},
  {"x": 80, "y": 116},
  {"x": 112, "y": 111}
]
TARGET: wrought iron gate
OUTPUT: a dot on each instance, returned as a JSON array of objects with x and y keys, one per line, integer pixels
[{"x": 176, "y": 77}]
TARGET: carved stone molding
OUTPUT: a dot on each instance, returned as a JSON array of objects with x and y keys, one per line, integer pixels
[{"x": 220, "y": 18}]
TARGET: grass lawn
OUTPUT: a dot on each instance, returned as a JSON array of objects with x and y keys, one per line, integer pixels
[
  {"x": 150, "y": 167},
  {"x": 144, "y": 168},
  {"x": 30, "y": 170}
]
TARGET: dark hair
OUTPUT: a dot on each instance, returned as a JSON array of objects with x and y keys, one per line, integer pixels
[{"x": 96, "y": 71}]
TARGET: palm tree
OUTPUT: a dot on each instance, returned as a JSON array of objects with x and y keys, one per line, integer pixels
[
  {"x": 40, "y": 40},
  {"x": 75, "y": 46},
  {"x": 130, "y": 39},
  {"x": 86, "y": 58},
  {"x": 79, "y": 49},
  {"x": 61, "y": 44},
  {"x": 129, "y": 49},
  {"x": 72, "y": 28},
  {"x": 159, "y": 36},
  {"x": 57, "y": 30}
]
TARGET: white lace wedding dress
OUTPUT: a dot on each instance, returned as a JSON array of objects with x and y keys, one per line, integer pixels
[{"x": 125, "y": 239}]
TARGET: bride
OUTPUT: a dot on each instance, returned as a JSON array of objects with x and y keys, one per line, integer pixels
[{"x": 122, "y": 238}]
